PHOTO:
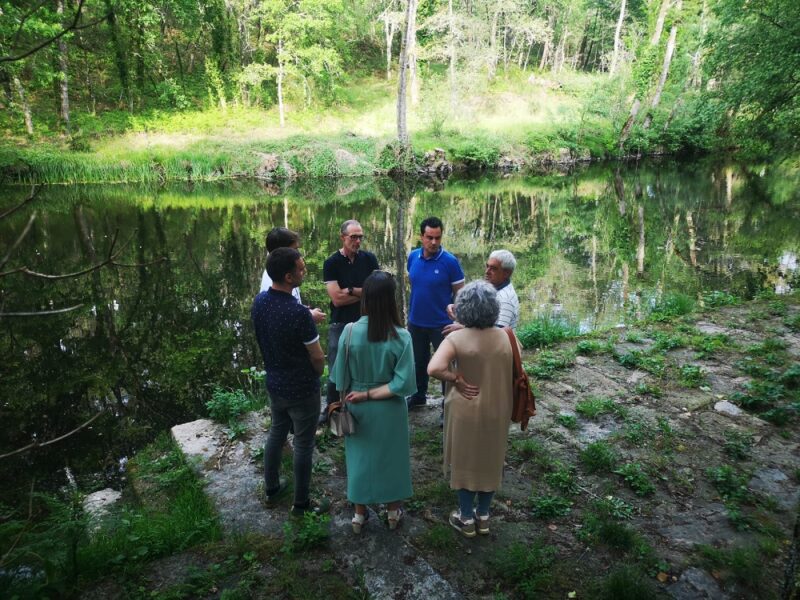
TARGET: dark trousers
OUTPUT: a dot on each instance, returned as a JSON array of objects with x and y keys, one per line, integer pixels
[
  {"x": 422, "y": 338},
  {"x": 301, "y": 413},
  {"x": 334, "y": 333}
]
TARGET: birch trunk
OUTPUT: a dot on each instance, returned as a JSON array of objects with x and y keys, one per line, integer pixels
[
  {"x": 452, "y": 53},
  {"x": 617, "y": 39},
  {"x": 63, "y": 66},
  {"x": 662, "y": 80},
  {"x": 662, "y": 15},
  {"x": 493, "y": 45},
  {"x": 640, "y": 247},
  {"x": 402, "y": 127},
  {"x": 281, "y": 116},
  {"x": 23, "y": 103}
]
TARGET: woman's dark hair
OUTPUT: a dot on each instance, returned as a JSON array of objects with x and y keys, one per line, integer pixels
[
  {"x": 280, "y": 262},
  {"x": 379, "y": 303}
]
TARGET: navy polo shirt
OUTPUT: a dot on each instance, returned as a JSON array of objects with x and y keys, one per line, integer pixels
[
  {"x": 284, "y": 328},
  {"x": 348, "y": 274},
  {"x": 432, "y": 281}
]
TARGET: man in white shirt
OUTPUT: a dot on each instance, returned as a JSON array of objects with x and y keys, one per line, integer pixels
[{"x": 499, "y": 268}]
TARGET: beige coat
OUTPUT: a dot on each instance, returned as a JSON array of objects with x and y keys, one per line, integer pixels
[{"x": 476, "y": 429}]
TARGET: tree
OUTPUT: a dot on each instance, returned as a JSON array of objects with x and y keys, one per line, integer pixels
[{"x": 402, "y": 126}]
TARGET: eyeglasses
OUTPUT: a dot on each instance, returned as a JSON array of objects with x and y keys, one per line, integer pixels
[{"x": 356, "y": 237}]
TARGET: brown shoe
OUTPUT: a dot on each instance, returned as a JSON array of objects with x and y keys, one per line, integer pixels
[
  {"x": 467, "y": 528},
  {"x": 482, "y": 524}
]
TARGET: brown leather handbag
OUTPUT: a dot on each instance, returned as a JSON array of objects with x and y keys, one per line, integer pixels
[
  {"x": 340, "y": 420},
  {"x": 524, "y": 402}
]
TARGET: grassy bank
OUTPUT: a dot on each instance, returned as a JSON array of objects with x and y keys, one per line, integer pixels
[{"x": 515, "y": 123}]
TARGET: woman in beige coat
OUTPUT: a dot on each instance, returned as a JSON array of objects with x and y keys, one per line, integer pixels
[{"x": 477, "y": 364}]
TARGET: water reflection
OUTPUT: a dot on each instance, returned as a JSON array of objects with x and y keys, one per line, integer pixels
[{"x": 149, "y": 342}]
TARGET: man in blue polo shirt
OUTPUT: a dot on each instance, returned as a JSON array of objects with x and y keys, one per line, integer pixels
[
  {"x": 435, "y": 277},
  {"x": 293, "y": 360}
]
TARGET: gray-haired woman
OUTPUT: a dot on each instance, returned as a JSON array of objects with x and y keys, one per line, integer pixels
[{"x": 477, "y": 364}]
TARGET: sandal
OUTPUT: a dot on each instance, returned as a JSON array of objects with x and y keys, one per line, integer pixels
[
  {"x": 358, "y": 521},
  {"x": 394, "y": 517}
]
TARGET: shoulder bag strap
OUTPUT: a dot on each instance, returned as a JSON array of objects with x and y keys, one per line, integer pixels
[
  {"x": 515, "y": 349},
  {"x": 346, "y": 389}
]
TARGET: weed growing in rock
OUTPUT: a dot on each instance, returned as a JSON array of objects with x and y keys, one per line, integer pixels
[
  {"x": 738, "y": 444},
  {"x": 598, "y": 456},
  {"x": 529, "y": 449},
  {"x": 567, "y": 420},
  {"x": 742, "y": 564},
  {"x": 613, "y": 507},
  {"x": 430, "y": 441},
  {"x": 707, "y": 345},
  {"x": 671, "y": 306},
  {"x": 692, "y": 376},
  {"x": 525, "y": 569},
  {"x": 652, "y": 363},
  {"x": 549, "y": 507},
  {"x": 436, "y": 493},
  {"x": 793, "y": 323},
  {"x": 666, "y": 341},
  {"x": 547, "y": 362},
  {"x": 626, "y": 583},
  {"x": 634, "y": 337},
  {"x": 718, "y": 298},
  {"x": 777, "y": 308},
  {"x": 638, "y": 433},
  {"x": 440, "y": 538},
  {"x": 546, "y": 330},
  {"x": 753, "y": 367},
  {"x": 637, "y": 478},
  {"x": 306, "y": 533},
  {"x": 648, "y": 389},
  {"x": 587, "y": 347},
  {"x": 791, "y": 377},
  {"x": 759, "y": 395},
  {"x": 600, "y": 529},
  {"x": 562, "y": 479},
  {"x": 594, "y": 406},
  {"x": 731, "y": 485}
]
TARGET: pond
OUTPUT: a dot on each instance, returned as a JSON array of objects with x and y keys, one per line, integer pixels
[{"x": 154, "y": 332}]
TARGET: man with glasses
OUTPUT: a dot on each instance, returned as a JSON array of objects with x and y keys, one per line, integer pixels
[
  {"x": 344, "y": 273},
  {"x": 293, "y": 360},
  {"x": 435, "y": 277}
]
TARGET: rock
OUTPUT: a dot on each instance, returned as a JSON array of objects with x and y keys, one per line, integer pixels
[
  {"x": 97, "y": 504},
  {"x": 563, "y": 156},
  {"x": 268, "y": 166},
  {"x": 198, "y": 439},
  {"x": 435, "y": 163},
  {"x": 727, "y": 408},
  {"x": 695, "y": 583},
  {"x": 775, "y": 483},
  {"x": 508, "y": 163},
  {"x": 345, "y": 161},
  {"x": 636, "y": 377}
]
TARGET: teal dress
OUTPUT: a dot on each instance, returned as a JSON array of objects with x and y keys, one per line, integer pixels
[{"x": 377, "y": 456}]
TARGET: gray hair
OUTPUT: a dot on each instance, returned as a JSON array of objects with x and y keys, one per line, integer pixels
[
  {"x": 477, "y": 305},
  {"x": 507, "y": 260},
  {"x": 346, "y": 224}
]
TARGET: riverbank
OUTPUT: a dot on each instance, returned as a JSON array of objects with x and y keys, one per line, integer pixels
[
  {"x": 661, "y": 463},
  {"x": 522, "y": 121}
]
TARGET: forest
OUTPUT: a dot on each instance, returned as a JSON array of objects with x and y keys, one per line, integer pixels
[{"x": 485, "y": 80}]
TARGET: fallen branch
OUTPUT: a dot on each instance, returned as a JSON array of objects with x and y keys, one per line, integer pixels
[
  {"x": 36, "y": 313},
  {"x": 54, "y": 440},
  {"x": 21, "y": 237},
  {"x": 34, "y": 192}
]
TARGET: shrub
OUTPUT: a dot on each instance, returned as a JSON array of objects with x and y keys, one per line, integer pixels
[
  {"x": 717, "y": 298},
  {"x": 545, "y": 330},
  {"x": 476, "y": 153},
  {"x": 672, "y": 305},
  {"x": 225, "y": 406}
]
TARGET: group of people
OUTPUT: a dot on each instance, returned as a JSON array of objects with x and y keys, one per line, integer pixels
[{"x": 382, "y": 370}]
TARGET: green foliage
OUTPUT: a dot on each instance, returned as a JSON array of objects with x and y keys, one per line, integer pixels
[
  {"x": 549, "y": 507},
  {"x": 692, "y": 376},
  {"x": 598, "y": 457},
  {"x": 718, "y": 298},
  {"x": 226, "y": 406},
  {"x": 652, "y": 363},
  {"x": 666, "y": 341},
  {"x": 671, "y": 306},
  {"x": 562, "y": 479},
  {"x": 637, "y": 478},
  {"x": 731, "y": 485},
  {"x": 545, "y": 330},
  {"x": 547, "y": 362},
  {"x": 526, "y": 569},
  {"x": 707, "y": 345},
  {"x": 439, "y": 538},
  {"x": 477, "y": 153},
  {"x": 595, "y": 406},
  {"x": 793, "y": 323},
  {"x": 626, "y": 583},
  {"x": 738, "y": 444},
  {"x": 600, "y": 529},
  {"x": 638, "y": 433},
  {"x": 790, "y": 378},
  {"x": 567, "y": 420},
  {"x": 587, "y": 347},
  {"x": 648, "y": 389},
  {"x": 306, "y": 533},
  {"x": 743, "y": 564},
  {"x": 613, "y": 507}
]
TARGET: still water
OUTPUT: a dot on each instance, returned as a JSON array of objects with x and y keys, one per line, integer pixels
[{"x": 168, "y": 319}]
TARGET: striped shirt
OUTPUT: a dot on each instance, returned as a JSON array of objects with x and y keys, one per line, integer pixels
[{"x": 509, "y": 306}]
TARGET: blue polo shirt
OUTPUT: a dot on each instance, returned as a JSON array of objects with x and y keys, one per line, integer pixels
[
  {"x": 432, "y": 281},
  {"x": 283, "y": 329}
]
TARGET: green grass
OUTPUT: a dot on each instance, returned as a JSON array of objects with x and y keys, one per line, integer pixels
[
  {"x": 598, "y": 457},
  {"x": 672, "y": 306},
  {"x": 562, "y": 478},
  {"x": 545, "y": 330},
  {"x": 626, "y": 583},
  {"x": 596, "y": 406},
  {"x": 637, "y": 478},
  {"x": 568, "y": 421},
  {"x": 691, "y": 376},
  {"x": 547, "y": 362},
  {"x": 549, "y": 506},
  {"x": 652, "y": 363},
  {"x": 525, "y": 569},
  {"x": 738, "y": 444}
]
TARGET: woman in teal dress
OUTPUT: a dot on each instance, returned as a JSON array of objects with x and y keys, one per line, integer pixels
[{"x": 377, "y": 374}]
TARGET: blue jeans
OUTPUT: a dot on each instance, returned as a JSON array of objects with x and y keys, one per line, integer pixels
[
  {"x": 302, "y": 413},
  {"x": 422, "y": 338},
  {"x": 466, "y": 501},
  {"x": 334, "y": 333}
]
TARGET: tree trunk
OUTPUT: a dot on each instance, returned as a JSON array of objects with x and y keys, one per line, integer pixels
[
  {"x": 662, "y": 15},
  {"x": 23, "y": 103},
  {"x": 63, "y": 69},
  {"x": 493, "y": 45},
  {"x": 388, "y": 30},
  {"x": 412, "y": 67},
  {"x": 402, "y": 127},
  {"x": 452, "y": 53},
  {"x": 617, "y": 39},
  {"x": 626, "y": 129},
  {"x": 662, "y": 80},
  {"x": 281, "y": 117},
  {"x": 119, "y": 54},
  {"x": 640, "y": 247}
]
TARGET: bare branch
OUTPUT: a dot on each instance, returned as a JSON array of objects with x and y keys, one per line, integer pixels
[
  {"x": 37, "y": 313},
  {"x": 34, "y": 192},
  {"x": 54, "y": 440},
  {"x": 21, "y": 237}
]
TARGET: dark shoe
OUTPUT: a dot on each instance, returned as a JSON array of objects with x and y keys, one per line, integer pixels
[
  {"x": 467, "y": 528},
  {"x": 318, "y": 507},
  {"x": 271, "y": 498},
  {"x": 414, "y": 401},
  {"x": 323, "y": 418},
  {"x": 482, "y": 523}
]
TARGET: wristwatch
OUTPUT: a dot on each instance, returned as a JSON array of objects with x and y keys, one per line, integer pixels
[{"x": 350, "y": 291}]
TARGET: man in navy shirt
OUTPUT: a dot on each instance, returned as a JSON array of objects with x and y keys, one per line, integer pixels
[
  {"x": 435, "y": 277},
  {"x": 344, "y": 273},
  {"x": 293, "y": 360}
]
